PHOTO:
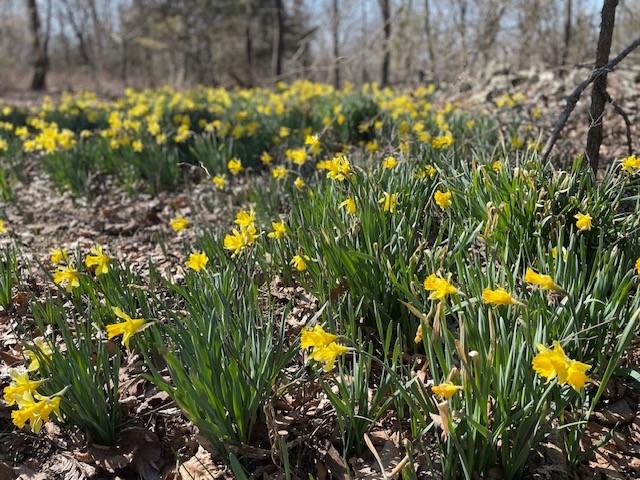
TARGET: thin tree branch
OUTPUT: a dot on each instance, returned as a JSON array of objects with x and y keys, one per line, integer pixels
[
  {"x": 618, "y": 109},
  {"x": 573, "y": 98}
]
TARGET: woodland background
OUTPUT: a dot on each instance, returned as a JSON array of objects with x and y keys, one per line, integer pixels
[{"x": 105, "y": 45}]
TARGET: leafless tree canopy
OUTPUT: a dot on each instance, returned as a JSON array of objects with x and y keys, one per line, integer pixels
[{"x": 107, "y": 44}]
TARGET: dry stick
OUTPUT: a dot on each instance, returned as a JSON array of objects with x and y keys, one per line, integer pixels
[{"x": 573, "y": 98}]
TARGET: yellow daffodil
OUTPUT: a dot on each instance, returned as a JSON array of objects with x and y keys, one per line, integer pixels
[
  {"x": 219, "y": 181},
  {"x": 442, "y": 141},
  {"x": 137, "y": 146},
  {"x": 389, "y": 163},
  {"x": 279, "y": 172},
  {"x": 240, "y": 238},
  {"x": 313, "y": 142},
  {"x": 553, "y": 363},
  {"x": 19, "y": 385},
  {"x": 234, "y": 242},
  {"x": 338, "y": 168},
  {"x": 631, "y": 164},
  {"x": 554, "y": 253},
  {"x": 3, "y": 226},
  {"x": 36, "y": 410},
  {"x": 58, "y": 256},
  {"x": 427, "y": 172},
  {"x": 372, "y": 146},
  {"x": 389, "y": 202},
  {"x": 127, "y": 329},
  {"x": 296, "y": 155},
  {"x": 498, "y": 296},
  {"x": 279, "y": 230},
  {"x": 446, "y": 390},
  {"x": 496, "y": 166},
  {"x": 197, "y": 261},
  {"x": 418, "y": 337},
  {"x": 443, "y": 199},
  {"x": 439, "y": 287},
  {"x": 316, "y": 337},
  {"x": 182, "y": 134},
  {"x": 245, "y": 218},
  {"x": 543, "y": 281},
  {"x": 577, "y": 374},
  {"x": 43, "y": 350},
  {"x": 300, "y": 262},
  {"x": 66, "y": 277},
  {"x": 98, "y": 259},
  {"x": 349, "y": 205},
  {"x": 299, "y": 183},
  {"x": 235, "y": 166},
  {"x": 638, "y": 265},
  {"x": 266, "y": 159},
  {"x": 323, "y": 345},
  {"x": 583, "y": 221},
  {"x": 179, "y": 223},
  {"x": 328, "y": 355}
]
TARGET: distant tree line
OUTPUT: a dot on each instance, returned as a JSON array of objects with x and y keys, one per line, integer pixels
[{"x": 107, "y": 44}]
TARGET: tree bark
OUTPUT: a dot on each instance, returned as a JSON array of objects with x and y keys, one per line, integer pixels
[
  {"x": 249, "y": 46},
  {"x": 386, "y": 54},
  {"x": 98, "y": 56},
  {"x": 336, "y": 46},
  {"x": 567, "y": 31},
  {"x": 38, "y": 48},
  {"x": 599, "y": 89},
  {"x": 430, "y": 50},
  {"x": 77, "y": 31},
  {"x": 279, "y": 39}
]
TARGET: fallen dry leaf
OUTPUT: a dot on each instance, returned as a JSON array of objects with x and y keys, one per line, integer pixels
[
  {"x": 69, "y": 468},
  {"x": 200, "y": 467}
]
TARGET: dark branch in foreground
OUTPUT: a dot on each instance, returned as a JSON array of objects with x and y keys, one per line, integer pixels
[{"x": 573, "y": 98}]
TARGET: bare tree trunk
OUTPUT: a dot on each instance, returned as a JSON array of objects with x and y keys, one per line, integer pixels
[
  {"x": 305, "y": 57},
  {"x": 66, "y": 47},
  {"x": 279, "y": 39},
  {"x": 364, "y": 53},
  {"x": 336, "y": 46},
  {"x": 249, "y": 46},
  {"x": 124, "y": 60},
  {"x": 488, "y": 34},
  {"x": 38, "y": 48},
  {"x": 98, "y": 57},
  {"x": 386, "y": 19},
  {"x": 427, "y": 28},
  {"x": 77, "y": 31},
  {"x": 567, "y": 32},
  {"x": 462, "y": 28},
  {"x": 599, "y": 89}
]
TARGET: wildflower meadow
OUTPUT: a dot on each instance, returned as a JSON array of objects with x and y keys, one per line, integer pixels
[{"x": 356, "y": 278}]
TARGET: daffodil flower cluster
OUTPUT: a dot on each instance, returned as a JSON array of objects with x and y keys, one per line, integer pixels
[
  {"x": 323, "y": 345},
  {"x": 553, "y": 363},
  {"x": 244, "y": 235},
  {"x": 33, "y": 408}
]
